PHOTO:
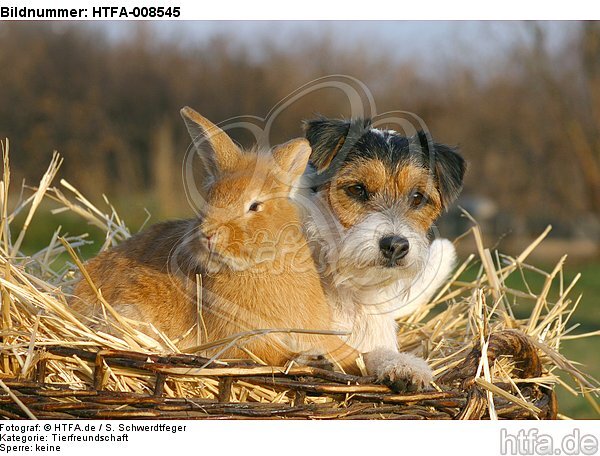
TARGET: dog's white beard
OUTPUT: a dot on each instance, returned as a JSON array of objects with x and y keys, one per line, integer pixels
[{"x": 352, "y": 258}]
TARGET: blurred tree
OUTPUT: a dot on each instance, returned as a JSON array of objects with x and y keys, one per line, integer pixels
[
  {"x": 166, "y": 172},
  {"x": 585, "y": 134}
]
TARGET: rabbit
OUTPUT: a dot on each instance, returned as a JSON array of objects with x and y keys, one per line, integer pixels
[{"x": 249, "y": 248}]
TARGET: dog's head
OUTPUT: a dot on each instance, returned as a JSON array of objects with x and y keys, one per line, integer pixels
[{"x": 384, "y": 191}]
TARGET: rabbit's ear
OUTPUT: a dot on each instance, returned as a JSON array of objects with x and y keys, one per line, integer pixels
[
  {"x": 292, "y": 158},
  {"x": 215, "y": 147}
]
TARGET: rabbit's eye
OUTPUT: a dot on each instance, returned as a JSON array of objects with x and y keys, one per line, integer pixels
[{"x": 256, "y": 206}]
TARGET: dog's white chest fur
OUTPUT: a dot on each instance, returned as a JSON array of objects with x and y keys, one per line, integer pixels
[{"x": 370, "y": 326}]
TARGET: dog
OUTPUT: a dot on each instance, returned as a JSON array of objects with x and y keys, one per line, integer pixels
[{"x": 369, "y": 199}]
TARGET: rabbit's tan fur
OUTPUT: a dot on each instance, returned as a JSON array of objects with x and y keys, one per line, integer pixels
[{"x": 255, "y": 264}]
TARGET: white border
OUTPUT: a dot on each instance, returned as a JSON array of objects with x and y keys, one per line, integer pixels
[{"x": 352, "y": 10}]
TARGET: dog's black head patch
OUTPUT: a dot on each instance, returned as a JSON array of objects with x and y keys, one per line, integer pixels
[{"x": 336, "y": 141}]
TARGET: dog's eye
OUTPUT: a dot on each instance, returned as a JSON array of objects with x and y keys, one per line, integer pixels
[
  {"x": 256, "y": 206},
  {"x": 357, "y": 191},
  {"x": 417, "y": 199}
]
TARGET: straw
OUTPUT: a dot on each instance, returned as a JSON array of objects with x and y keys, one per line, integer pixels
[{"x": 462, "y": 316}]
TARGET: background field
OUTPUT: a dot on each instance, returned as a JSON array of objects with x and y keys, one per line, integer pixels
[{"x": 521, "y": 100}]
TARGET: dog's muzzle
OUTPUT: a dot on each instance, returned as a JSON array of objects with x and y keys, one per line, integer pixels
[{"x": 393, "y": 249}]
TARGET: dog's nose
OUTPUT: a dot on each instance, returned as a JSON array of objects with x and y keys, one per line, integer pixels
[{"x": 394, "y": 247}]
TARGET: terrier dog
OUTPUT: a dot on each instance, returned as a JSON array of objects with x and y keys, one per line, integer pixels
[{"x": 370, "y": 198}]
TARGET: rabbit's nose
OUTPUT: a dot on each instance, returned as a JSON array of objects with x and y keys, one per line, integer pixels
[
  {"x": 208, "y": 238},
  {"x": 212, "y": 237}
]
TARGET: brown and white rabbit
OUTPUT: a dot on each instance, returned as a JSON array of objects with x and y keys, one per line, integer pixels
[{"x": 249, "y": 248}]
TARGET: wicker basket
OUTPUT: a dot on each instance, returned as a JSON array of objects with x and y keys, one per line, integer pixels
[{"x": 460, "y": 394}]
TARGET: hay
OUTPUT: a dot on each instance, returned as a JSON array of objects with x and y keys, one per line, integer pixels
[{"x": 487, "y": 363}]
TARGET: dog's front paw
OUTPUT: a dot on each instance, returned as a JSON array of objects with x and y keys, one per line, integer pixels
[{"x": 402, "y": 372}]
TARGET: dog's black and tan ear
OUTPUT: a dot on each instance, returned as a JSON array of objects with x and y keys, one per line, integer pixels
[
  {"x": 326, "y": 138},
  {"x": 450, "y": 170},
  {"x": 448, "y": 166},
  {"x": 329, "y": 137}
]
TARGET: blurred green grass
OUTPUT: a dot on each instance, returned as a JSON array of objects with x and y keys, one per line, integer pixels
[
  {"x": 44, "y": 224},
  {"x": 584, "y": 351}
]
